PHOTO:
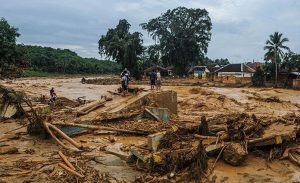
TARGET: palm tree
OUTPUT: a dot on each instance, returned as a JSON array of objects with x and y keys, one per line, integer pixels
[{"x": 275, "y": 47}]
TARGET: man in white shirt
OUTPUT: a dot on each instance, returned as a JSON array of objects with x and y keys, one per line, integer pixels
[{"x": 158, "y": 80}]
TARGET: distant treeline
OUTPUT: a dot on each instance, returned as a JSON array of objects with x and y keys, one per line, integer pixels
[{"x": 64, "y": 61}]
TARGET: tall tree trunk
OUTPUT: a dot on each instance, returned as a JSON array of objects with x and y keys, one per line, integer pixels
[{"x": 276, "y": 74}]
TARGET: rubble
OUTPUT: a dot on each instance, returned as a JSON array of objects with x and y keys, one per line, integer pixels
[
  {"x": 164, "y": 136},
  {"x": 234, "y": 154}
]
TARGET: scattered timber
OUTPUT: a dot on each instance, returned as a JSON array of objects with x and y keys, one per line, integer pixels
[
  {"x": 64, "y": 158},
  {"x": 70, "y": 170},
  {"x": 74, "y": 143}
]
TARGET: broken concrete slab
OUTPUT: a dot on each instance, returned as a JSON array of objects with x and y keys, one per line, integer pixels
[
  {"x": 162, "y": 113},
  {"x": 153, "y": 140},
  {"x": 115, "y": 149},
  {"x": 165, "y": 99}
]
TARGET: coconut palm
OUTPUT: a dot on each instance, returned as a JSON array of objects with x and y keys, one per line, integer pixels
[{"x": 275, "y": 49}]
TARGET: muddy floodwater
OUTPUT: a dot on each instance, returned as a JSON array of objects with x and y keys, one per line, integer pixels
[{"x": 34, "y": 154}]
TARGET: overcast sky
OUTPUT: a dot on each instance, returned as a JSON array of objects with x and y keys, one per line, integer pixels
[{"x": 240, "y": 27}]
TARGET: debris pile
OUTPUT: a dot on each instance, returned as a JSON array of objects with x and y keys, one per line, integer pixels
[{"x": 177, "y": 152}]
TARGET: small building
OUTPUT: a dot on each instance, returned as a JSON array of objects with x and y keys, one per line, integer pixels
[
  {"x": 199, "y": 72},
  {"x": 236, "y": 70},
  {"x": 294, "y": 80}
]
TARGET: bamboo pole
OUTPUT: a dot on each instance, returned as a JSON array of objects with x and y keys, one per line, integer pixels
[
  {"x": 53, "y": 136},
  {"x": 74, "y": 143},
  {"x": 63, "y": 157},
  {"x": 70, "y": 170}
]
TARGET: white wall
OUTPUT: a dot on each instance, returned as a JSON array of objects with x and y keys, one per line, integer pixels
[{"x": 236, "y": 74}]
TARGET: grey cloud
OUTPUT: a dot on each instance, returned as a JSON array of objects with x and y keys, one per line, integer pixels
[{"x": 240, "y": 27}]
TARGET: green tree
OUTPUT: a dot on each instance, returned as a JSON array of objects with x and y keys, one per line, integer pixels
[
  {"x": 182, "y": 35},
  {"x": 122, "y": 46},
  {"x": 291, "y": 62},
  {"x": 275, "y": 50},
  {"x": 12, "y": 59},
  {"x": 258, "y": 78}
]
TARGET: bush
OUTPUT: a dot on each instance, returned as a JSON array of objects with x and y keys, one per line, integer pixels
[{"x": 258, "y": 79}]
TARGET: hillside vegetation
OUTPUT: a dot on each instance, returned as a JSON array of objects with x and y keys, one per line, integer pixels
[{"x": 63, "y": 61}]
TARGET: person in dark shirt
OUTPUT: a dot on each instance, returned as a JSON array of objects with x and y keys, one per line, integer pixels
[
  {"x": 152, "y": 79},
  {"x": 125, "y": 82},
  {"x": 52, "y": 95}
]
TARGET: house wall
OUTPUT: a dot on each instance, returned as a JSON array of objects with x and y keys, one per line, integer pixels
[
  {"x": 236, "y": 74},
  {"x": 233, "y": 79},
  {"x": 200, "y": 75},
  {"x": 296, "y": 83}
]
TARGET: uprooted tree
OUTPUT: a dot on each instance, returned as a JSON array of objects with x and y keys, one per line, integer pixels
[
  {"x": 182, "y": 35},
  {"x": 123, "y": 47},
  {"x": 12, "y": 58},
  {"x": 12, "y": 62}
]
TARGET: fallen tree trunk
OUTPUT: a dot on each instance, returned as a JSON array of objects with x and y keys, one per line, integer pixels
[{"x": 94, "y": 127}]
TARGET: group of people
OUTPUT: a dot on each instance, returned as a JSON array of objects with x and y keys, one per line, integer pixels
[{"x": 155, "y": 80}]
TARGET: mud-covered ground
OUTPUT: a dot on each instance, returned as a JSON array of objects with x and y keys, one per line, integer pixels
[{"x": 37, "y": 159}]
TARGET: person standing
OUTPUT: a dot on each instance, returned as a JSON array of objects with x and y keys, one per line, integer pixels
[
  {"x": 158, "y": 80},
  {"x": 152, "y": 79},
  {"x": 125, "y": 71},
  {"x": 52, "y": 95},
  {"x": 125, "y": 82}
]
